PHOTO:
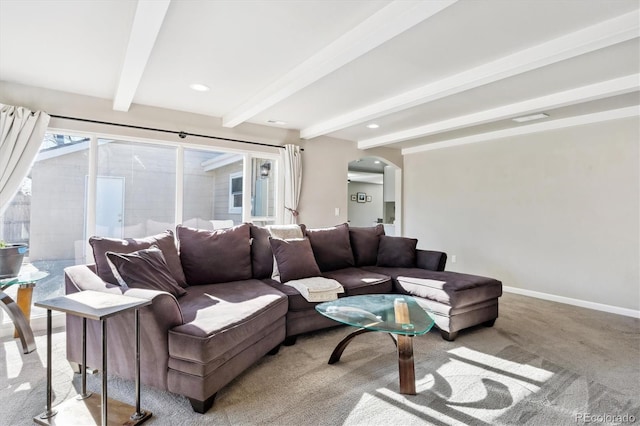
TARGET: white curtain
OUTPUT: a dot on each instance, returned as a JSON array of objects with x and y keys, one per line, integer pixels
[
  {"x": 292, "y": 182},
  {"x": 21, "y": 134}
]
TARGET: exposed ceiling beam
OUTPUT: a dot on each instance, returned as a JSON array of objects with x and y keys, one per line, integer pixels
[
  {"x": 144, "y": 31},
  {"x": 617, "y": 86},
  {"x": 589, "y": 39},
  {"x": 579, "y": 120},
  {"x": 379, "y": 28}
]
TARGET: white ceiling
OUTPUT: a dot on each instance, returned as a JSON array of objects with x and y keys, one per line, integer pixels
[{"x": 433, "y": 71}]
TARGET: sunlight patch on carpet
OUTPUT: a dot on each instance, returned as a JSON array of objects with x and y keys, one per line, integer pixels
[
  {"x": 468, "y": 387},
  {"x": 12, "y": 353},
  {"x": 23, "y": 387}
]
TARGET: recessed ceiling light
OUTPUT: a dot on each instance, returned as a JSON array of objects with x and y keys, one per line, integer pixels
[
  {"x": 530, "y": 117},
  {"x": 199, "y": 87},
  {"x": 278, "y": 122},
  {"x": 377, "y": 162},
  {"x": 372, "y": 126}
]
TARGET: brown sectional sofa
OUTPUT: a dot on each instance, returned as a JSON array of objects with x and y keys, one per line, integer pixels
[{"x": 220, "y": 310}]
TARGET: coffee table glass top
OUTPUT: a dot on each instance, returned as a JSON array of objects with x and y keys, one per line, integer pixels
[
  {"x": 26, "y": 276},
  {"x": 377, "y": 312}
]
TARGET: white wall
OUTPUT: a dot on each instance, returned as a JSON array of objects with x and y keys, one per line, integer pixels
[
  {"x": 325, "y": 162},
  {"x": 365, "y": 214},
  {"x": 72, "y": 105},
  {"x": 555, "y": 212}
]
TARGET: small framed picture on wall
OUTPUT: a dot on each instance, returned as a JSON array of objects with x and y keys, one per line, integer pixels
[
  {"x": 362, "y": 197},
  {"x": 368, "y": 198},
  {"x": 354, "y": 197}
]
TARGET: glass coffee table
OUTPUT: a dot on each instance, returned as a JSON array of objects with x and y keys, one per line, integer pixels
[
  {"x": 396, "y": 314},
  {"x": 19, "y": 310}
]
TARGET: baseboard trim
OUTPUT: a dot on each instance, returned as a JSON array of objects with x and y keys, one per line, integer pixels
[{"x": 575, "y": 302}]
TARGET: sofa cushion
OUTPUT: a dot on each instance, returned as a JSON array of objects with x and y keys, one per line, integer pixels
[
  {"x": 364, "y": 243},
  {"x": 221, "y": 318},
  {"x": 164, "y": 241},
  {"x": 331, "y": 247},
  {"x": 295, "y": 259},
  {"x": 261, "y": 254},
  {"x": 397, "y": 252},
  {"x": 218, "y": 256},
  {"x": 359, "y": 281},
  {"x": 144, "y": 268}
]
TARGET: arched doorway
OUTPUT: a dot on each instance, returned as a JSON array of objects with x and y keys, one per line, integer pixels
[{"x": 374, "y": 194}]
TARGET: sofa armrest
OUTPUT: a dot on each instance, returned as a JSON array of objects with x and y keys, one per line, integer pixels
[
  {"x": 156, "y": 320},
  {"x": 82, "y": 277},
  {"x": 431, "y": 260}
]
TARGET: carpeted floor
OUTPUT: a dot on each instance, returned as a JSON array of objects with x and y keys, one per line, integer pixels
[{"x": 543, "y": 363}]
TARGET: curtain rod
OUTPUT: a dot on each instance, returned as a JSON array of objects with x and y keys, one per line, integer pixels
[{"x": 180, "y": 134}]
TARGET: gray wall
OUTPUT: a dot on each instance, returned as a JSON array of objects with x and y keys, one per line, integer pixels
[
  {"x": 365, "y": 214},
  {"x": 554, "y": 212}
]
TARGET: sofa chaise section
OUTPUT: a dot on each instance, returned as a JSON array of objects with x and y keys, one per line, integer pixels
[{"x": 456, "y": 300}]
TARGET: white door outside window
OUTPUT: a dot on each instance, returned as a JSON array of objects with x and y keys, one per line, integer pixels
[{"x": 110, "y": 207}]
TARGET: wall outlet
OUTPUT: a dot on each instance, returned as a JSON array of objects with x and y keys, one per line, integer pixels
[
  {"x": 337, "y": 211},
  {"x": 454, "y": 258}
]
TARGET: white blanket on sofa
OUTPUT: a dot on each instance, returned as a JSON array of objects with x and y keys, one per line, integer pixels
[
  {"x": 423, "y": 282},
  {"x": 317, "y": 289}
]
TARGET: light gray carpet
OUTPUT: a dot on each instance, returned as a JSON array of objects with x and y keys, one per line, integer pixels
[{"x": 543, "y": 363}]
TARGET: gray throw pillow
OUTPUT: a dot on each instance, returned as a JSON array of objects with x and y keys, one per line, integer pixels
[
  {"x": 398, "y": 252},
  {"x": 331, "y": 247},
  {"x": 218, "y": 256},
  {"x": 364, "y": 243},
  {"x": 144, "y": 268},
  {"x": 164, "y": 241},
  {"x": 294, "y": 258},
  {"x": 261, "y": 255}
]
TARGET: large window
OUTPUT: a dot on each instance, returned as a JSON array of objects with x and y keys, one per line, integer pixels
[
  {"x": 207, "y": 184},
  {"x": 135, "y": 188},
  {"x": 48, "y": 214},
  {"x": 235, "y": 193},
  {"x": 263, "y": 190}
]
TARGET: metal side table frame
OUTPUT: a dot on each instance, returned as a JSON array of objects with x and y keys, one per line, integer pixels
[{"x": 98, "y": 306}]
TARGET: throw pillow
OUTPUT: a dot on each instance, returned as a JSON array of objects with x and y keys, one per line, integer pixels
[
  {"x": 364, "y": 243},
  {"x": 283, "y": 232},
  {"x": 331, "y": 247},
  {"x": 164, "y": 241},
  {"x": 295, "y": 259},
  {"x": 144, "y": 268},
  {"x": 398, "y": 252},
  {"x": 218, "y": 256},
  {"x": 261, "y": 254}
]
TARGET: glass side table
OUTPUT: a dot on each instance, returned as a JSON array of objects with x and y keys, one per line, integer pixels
[
  {"x": 19, "y": 310},
  {"x": 98, "y": 306}
]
